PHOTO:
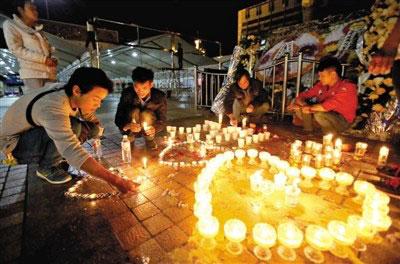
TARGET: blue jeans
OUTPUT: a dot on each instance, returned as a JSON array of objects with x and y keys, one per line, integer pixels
[{"x": 35, "y": 146}]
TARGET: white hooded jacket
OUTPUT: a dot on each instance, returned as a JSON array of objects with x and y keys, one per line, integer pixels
[{"x": 31, "y": 48}]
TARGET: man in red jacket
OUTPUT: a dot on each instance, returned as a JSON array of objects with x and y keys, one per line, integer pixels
[{"x": 331, "y": 103}]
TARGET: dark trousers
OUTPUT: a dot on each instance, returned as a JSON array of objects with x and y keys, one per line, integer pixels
[
  {"x": 90, "y": 38},
  {"x": 35, "y": 146},
  {"x": 257, "y": 116},
  {"x": 330, "y": 122}
]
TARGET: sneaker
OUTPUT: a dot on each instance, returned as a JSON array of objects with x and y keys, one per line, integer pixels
[
  {"x": 151, "y": 144},
  {"x": 54, "y": 175}
]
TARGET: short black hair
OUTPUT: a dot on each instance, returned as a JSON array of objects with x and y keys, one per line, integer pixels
[
  {"x": 19, "y": 3},
  {"x": 87, "y": 78},
  {"x": 330, "y": 62},
  {"x": 141, "y": 75},
  {"x": 240, "y": 73}
]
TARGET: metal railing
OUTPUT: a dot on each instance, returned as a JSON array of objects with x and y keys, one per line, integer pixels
[
  {"x": 207, "y": 87},
  {"x": 270, "y": 71}
]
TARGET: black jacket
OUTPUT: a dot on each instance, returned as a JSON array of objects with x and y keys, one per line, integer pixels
[
  {"x": 129, "y": 101},
  {"x": 257, "y": 93}
]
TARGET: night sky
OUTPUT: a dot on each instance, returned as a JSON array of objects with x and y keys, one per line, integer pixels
[{"x": 210, "y": 19}]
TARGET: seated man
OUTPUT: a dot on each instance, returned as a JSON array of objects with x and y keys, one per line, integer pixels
[
  {"x": 331, "y": 103},
  {"x": 50, "y": 124},
  {"x": 142, "y": 109},
  {"x": 246, "y": 96}
]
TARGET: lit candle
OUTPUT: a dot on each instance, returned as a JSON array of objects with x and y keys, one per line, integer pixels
[
  {"x": 203, "y": 196},
  {"x": 327, "y": 175},
  {"x": 264, "y": 235},
  {"x": 240, "y": 153},
  {"x": 256, "y": 181},
  {"x": 383, "y": 156},
  {"x": 361, "y": 149},
  {"x": 208, "y": 227},
  {"x": 318, "y": 161},
  {"x": 248, "y": 140},
  {"x": 308, "y": 146},
  {"x": 282, "y": 165},
  {"x": 218, "y": 139},
  {"x": 318, "y": 237},
  {"x": 316, "y": 149},
  {"x": 229, "y": 157},
  {"x": 364, "y": 230},
  {"x": 145, "y": 127},
  {"x": 267, "y": 135},
  {"x": 306, "y": 160},
  {"x": 328, "y": 161},
  {"x": 227, "y": 137},
  {"x": 327, "y": 140},
  {"x": 235, "y": 232},
  {"x": 244, "y": 122},
  {"x": 144, "y": 161},
  {"x": 205, "y": 128},
  {"x": 337, "y": 156},
  {"x": 295, "y": 156},
  {"x": 189, "y": 138},
  {"x": 198, "y": 128},
  {"x": 308, "y": 174},
  {"x": 290, "y": 236},
  {"x": 242, "y": 133},
  {"x": 197, "y": 136},
  {"x": 255, "y": 139},
  {"x": 252, "y": 153},
  {"x": 292, "y": 193},
  {"x": 172, "y": 134},
  {"x": 261, "y": 137},
  {"x": 202, "y": 210},
  {"x": 362, "y": 188},
  {"x": 342, "y": 232},
  {"x": 328, "y": 149},
  {"x": 344, "y": 179},
  {"x": 241, "y": 143},
  {"x": 220, "y": 119},
  {"x": 203, "y": 151},
  {"x": 181, "y": 130},
  {"x": 235, "y": 135},
  {"x": 292, "y": 173},
  {"x": 264, "y": 156},
  {"x": 280, "y": 180},
  {"x": 338, "y": 144}
]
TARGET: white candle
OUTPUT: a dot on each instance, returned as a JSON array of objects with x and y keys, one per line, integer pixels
[
  {"x": 248, "y": 140},
  {"x": 308, "y": 174},
  {"x": 240, "y": 153},
  {"x": 290, "y": 235},
  {"x": 383, "y": 156},
  {"x": 145, "y": 127},
  {"x": 261, "y": 137},
  {"x": 255, "y": 139},
  {"x": 308, "y": 146},
  {"x": 218, "y": 139},
  {"x": 267, "y": 135},
  {"x": 337, "y": 156},
  {"x": 252, "y": 153},
  {"x": 280, "y": 180},
  {"x": 144, "y": 161},
  {"x": 256, "y": 181},
  {"x": 208, "y": 226},
  {"x": 227, "y": 137},
  {"x": 327, "y": 139},
  {"x": 197, "y": 136},
  {"x": 220, "y": 118},
  {"x": 318, "y": 161},
  {"x": 338, "y": 144},
  {"x": 244, "y": 122},
  {"x": 241, "y": 143},
  {"x": 327, "y": 175},
  {"x": 361, "y": 149},
  {"x": 264, "y": 156},
  {"x": 181, "y": 130}
]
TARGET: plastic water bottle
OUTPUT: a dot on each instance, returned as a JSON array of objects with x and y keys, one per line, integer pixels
[
  {"x": 98, "y": 151},
  {"x": 126, "y": 150}
]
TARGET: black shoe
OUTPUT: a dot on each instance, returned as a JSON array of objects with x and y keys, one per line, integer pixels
[{"x": 53, "y": 175}]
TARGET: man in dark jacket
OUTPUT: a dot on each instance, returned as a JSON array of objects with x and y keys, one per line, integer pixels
[
  {"x": 246, "y": 96},
  {"x": 142, "y": 109}
]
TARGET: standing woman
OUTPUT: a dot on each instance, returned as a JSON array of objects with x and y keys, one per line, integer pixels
[{"x": 25, "y": 39}]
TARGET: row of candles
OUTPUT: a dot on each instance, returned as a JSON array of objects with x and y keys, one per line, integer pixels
[{"x": 338, "y": 233}]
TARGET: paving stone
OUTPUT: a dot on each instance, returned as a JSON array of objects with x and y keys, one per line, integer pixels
[
  {"x": 133, "y": 237},
  {"x": 188, "y": 225},
  {"x": 11, "y": 209},
  {"x": 145, "y": 211},
  {"x": 10, "y": 252},
  {"x": 157, "y": 223},
  {"x": 3, "y": 180},
  {"x": 17, "y": 177},
  {"x": 11, "y": 220},
  {"x": 153, "y": 193},
  {"x": 177, "y": 214},
  {"x": 123, "y": 222},
  {"x": 13, "y": 190},
  {"x": 149, "y": 249},
  {"x": 171, "y": 238},
  {"x": 135, "y": 200},
  {"x": 12, "y": 199},
  {"x": 146, "y": 185},
  {"x": 185, "y": 179},
  {"x": 164, "y": 202},
  {"x": 10, "y": 234},
  {"x": 112, "y": 208}
]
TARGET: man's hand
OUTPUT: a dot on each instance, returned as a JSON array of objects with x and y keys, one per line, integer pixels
[
  {"x": 125, "y": 185},
  {"x": 150, "y": 131},
  {"x": 380, "y": 64},
  {"x": 135, "y": 128},
  {"x": 250, "y": 108},
  {"x": 233, "y": 121}
]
